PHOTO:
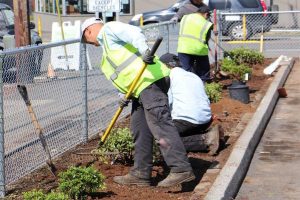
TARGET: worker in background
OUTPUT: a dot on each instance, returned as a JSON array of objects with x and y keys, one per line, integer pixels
[
  {"x": 124, "y": 53},
  {"x": 189, "y": 7},
  {"x": 194, "y": 34},
  {"x": 190, "y": 109}
]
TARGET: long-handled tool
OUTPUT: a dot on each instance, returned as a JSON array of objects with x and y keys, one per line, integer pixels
[
  {"x": 128, "y": 94},
  {"x": 216, "y": 41},
  {"x": 23, "y": 92}
]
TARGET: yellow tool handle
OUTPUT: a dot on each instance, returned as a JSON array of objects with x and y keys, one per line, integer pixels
[{"x": 128, "y": 94}]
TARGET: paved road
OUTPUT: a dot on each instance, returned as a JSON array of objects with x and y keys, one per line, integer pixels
[{"x": 274, "y": 172}]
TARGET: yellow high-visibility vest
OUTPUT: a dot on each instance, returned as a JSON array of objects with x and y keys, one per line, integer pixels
[
  {"x": 192, "y": 35},
  {"x": 121, "y": 66}
]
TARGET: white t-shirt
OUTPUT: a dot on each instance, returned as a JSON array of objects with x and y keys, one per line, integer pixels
[{"x": 187, "y": 98}]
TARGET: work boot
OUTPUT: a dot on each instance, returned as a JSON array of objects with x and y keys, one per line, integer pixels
[
  {"x": 176, "y": 178},
  {"x": 212, "y": 140},
  {"x": 129, "y": 179}
]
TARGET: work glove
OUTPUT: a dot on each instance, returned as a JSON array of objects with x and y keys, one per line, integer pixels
[
  {"x": 147, "y": 58},
  {"x": 124, "y": 102}
]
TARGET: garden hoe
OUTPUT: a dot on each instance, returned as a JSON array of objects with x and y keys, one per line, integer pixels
[
  {"x": 23, "y": 92},
  {"x": 128, "y": 94}
]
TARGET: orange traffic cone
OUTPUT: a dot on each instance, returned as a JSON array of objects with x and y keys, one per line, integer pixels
[{"x": 50, "y": 73}]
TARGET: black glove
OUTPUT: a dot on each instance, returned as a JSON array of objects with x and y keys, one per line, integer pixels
[
  {"x": 147, "y": 58},
  {"x": 124, "y": 102}
]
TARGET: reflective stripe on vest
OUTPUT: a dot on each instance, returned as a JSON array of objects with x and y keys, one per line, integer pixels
[
  {"x": 192, "y": 35},
  {"x": 121, "y": 66}
]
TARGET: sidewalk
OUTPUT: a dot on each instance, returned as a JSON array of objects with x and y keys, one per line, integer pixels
[{"x": 274, "y": 171}]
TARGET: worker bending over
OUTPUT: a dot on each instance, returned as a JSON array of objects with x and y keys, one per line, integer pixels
[{"x": 124, "y": 53}]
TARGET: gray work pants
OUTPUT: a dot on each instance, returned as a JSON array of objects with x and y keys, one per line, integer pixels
[{"x": 151, "y": 119}]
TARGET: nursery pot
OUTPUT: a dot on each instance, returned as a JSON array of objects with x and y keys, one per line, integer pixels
[{"x": 239, "y": 92}]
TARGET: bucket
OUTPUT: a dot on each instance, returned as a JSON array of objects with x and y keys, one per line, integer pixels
[{"x": 239, "y": 92}]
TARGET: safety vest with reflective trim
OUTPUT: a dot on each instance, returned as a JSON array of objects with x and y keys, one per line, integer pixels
[
  {"x": 121, "y": 66},
  {"x": 192, "y": 35}
]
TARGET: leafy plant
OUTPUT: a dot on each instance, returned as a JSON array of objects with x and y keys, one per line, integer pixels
[
  {"x": 213, "y": 91},
  {"x": 79, "y": 181},
  {"x": 246, "y": 56},
  {"x": 119, "y": 146},
  {"x": 236, "y": 71},
  {"x": 57, "y": 196},
  {"x": 34, "y": 195}
]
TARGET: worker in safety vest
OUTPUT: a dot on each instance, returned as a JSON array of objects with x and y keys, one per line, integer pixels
[
  {"x": 194, "y": 33},
  {"x": 124, "y": 52}
]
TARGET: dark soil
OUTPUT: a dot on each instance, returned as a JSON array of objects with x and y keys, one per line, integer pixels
[{"x": 228, "y": 114}]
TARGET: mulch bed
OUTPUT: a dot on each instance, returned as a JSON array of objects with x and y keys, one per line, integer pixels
[{"x": 228, "y": 114}]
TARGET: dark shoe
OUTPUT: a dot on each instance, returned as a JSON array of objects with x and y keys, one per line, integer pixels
[
  {"x": 176, "y": 178},
  {"x": 129, "y": 179},
  {"x": 213, "y": 140}
]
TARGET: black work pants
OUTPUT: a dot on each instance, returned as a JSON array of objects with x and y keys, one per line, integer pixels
[
  {"x": 196, "y": 64},
  {"x": 151, "y": 119},
  {"x": 193, "y": 135}
]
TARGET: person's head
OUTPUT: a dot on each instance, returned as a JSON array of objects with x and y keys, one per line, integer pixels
[
  {"x": 90, "y": 30},
  {"x": 171, "y": 60},
  {"x": 204, "y": 11}
]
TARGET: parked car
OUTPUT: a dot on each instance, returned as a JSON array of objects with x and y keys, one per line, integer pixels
[
  {"x": 231, "y": 25},
  {"x": 9, "y": 68},
  {"x": 157, "y": 16},
  {"x": 7, "y": 26}
]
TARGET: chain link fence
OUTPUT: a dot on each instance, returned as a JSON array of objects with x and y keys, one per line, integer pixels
[
  {"x": 72, "y": 99},
  {"x": 272, "y": 33}
]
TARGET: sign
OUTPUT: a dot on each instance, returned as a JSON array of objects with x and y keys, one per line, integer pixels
[
  {"x": 103, "y": 6},
  {"x": 69, "y": 59}
]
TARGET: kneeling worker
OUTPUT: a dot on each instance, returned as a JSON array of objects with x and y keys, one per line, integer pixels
[{"x": 190, "y": 108}]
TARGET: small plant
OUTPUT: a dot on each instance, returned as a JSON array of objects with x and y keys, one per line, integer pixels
[
  {"x": 246, "y": 56},
  {"x": 57, "y": 196},
  {"x": 34, "y": 195},
  {"x": 79, "y": 181},
  {"x": 213, "y": 91},
  {"x": 119, "y": 146},
  {"x": 236, "y": 71}
]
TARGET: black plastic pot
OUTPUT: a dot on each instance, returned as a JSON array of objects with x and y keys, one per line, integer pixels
[{"x": 239, "y": 92}]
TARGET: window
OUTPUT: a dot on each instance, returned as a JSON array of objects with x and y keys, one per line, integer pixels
[
  {"x": 126, "y": 7},
  {"x": 2, "y": 21},
  {"x": 9, "y": 16},
  {"x": 249, "y": 3},
  {"x": 219, "y": 4}
]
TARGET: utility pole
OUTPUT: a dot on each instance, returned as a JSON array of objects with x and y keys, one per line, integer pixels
[{"x": 22, "y": 22}]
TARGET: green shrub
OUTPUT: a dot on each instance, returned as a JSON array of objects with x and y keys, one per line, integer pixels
[
  {"x": 57, "y": 196},
  {"x": 236, "y": 71},
  {"x": 246, "y": 56},
  {"x": 34, "y": 195},
  {"x": 213, "y": 91},
  {"x": 120, "y": 142},
  {"x": 79, "y": 181}
]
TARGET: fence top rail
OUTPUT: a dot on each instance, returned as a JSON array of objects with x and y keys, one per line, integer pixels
[
  {"x": 251, "y": 13},
  {"x": 157, "y": 24},
  {"x": 37, "y": 47}
]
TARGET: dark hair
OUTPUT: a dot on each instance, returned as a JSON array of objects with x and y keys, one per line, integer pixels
[
  {"x": 204, "y": 9},
  {"x": 171, "y": 60}
]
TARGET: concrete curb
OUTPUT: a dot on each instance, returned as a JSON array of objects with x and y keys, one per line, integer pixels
[{"x": 231, "y": 176}]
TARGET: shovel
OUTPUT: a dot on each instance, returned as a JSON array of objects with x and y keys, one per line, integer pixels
[
  {"x": 23, "y": 92},
  {"x": 128, "y": 94}
]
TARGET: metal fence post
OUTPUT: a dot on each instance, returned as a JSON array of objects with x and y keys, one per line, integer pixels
[
  {"x": 83, "y": 64},
  {"x": 2, "y": 170}
]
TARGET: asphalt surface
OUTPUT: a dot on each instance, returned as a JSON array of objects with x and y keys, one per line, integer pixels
[{"x": 274, "y": 171}]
